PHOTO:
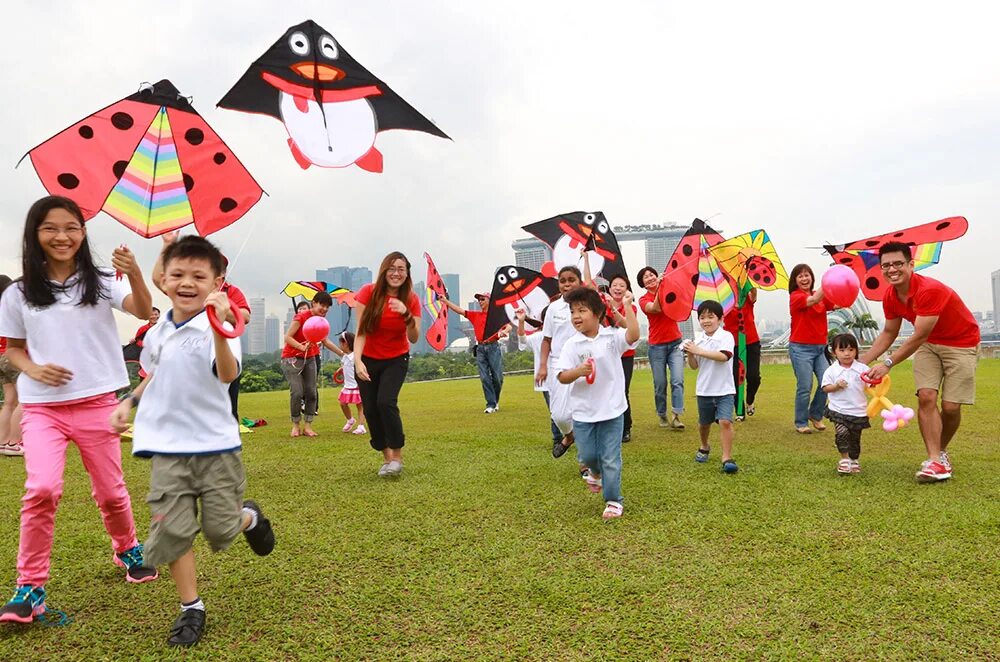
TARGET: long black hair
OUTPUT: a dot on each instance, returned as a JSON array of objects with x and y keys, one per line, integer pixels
[{"x": 39, "y": 290}]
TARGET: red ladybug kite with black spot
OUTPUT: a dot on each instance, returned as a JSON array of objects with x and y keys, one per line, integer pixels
[
  {"x": 331, "y": 106},
  {"x": 437, "y": 335},
  {"x": 924, "y": 240},
  {"x": 680, "y": 276},
  {"x": 151, "y": 162}
]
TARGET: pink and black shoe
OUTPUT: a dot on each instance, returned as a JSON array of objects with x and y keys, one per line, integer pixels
[
  {"x": 27, "y": 603},
  {"x": 135, "y": 571}
]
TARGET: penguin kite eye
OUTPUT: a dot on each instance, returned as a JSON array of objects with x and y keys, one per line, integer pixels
[
  {"x": 328, "y": 47},
  {"x": 589, "y": 219},
  {"x": 298, "y": 43},
  {"x": 502, "y": 279},
  {"x": 602, "y": 226},
  {"x": 512, "y": 273}
]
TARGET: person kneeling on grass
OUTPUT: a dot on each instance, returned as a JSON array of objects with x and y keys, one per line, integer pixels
[
  {"x": 711, "y": 353},
  {"x": 185, "y": 424},
  {"x": 590, "y": 363}
]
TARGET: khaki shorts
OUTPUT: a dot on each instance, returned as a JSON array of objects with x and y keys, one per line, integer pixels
[
  {"x": 176, "y": 485},
  {"x": 950, "y": 370},
  {"x": 8, "y": 373}
]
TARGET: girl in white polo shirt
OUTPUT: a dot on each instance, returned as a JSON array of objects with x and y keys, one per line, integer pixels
[
  {"x": 590, "y": 368},
  {"x": 846, "y": 404},
  {"x": 61, "y": 309}
]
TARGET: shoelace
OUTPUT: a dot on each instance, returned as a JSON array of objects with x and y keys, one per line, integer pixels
[
  {"x": 132, "y": 557},
  {"x": 22, "y": 593}
]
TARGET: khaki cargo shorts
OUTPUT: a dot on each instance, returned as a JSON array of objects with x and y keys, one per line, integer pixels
[
  {"x": 177, "y": 484},
  {"x": 8, "y": 373},
  {"x": 950, "y": 370}
]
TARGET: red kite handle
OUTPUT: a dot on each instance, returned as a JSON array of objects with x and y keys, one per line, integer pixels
[
  {"x": 593, "y": 371},
  {"x": 238, "y": 328},
  {"x": 871, "y": 382}
]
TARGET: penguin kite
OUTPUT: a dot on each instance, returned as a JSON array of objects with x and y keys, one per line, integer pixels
[
  {"x": 567, "y": 234},
  {"x": 517, "y": 288},
  {"x": 331, "y": 106}
]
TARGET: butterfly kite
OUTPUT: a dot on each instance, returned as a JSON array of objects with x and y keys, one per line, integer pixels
[
  {"x": 151, "y": 162},
  {"x": 331, "y": 106},
  {"x": 568, "y": 234},
  {"x": 516, "y": 288},
  {"x": 925, "y": 241},
  {"x": 437, "y": 335}
]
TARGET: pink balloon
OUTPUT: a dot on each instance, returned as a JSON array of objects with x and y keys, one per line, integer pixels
[
  {"x": 841, "y": 285},
  {"x": 316, "y": 329},
  {"x": 907, "y": 414},
  {"x": 890, "y": 425}
]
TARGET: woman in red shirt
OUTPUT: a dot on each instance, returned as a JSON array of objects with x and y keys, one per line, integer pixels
[
  {"x": 389, "y": 320},
  {"x": 807, "y": 346},
  {"x": 298, "y": 363}
]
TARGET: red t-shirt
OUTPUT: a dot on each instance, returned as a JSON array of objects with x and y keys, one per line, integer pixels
[
  {"x": 956, "y": 327},
  {"x": 236, "y": 296},
  {"x": 808, "y": 322},
  {"x": 731, "y": 322},
  {"x": 389, "y": 339},
  {"x": 288, "y": 351},
  {"x": 478, "y": 319},
  {"x": 3, "y": 345},
  {"x": 661, "y": 328},
  {"x": 141, "y": 333},
  {"x": 610, "y": 320}
]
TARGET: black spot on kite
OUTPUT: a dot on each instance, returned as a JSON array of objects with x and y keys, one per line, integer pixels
[
  {"x": 85, "y": 132},
  {"x": 122, "y": 121},
  {"x": 687, "y": 250},
  {"x": 194, "y": 136},
  {"x": 739, "y": 327},
  {"x": 227, "y": 204},
  {"x": 898, "y": 235},
  {"x": 942, "y": 226},
  {"x": 872, "y": 242},
  {"x": 871, "y": 283},
  {"x": 694, "y": 279},
  {"x": 68, "y": 180},
  {"x": 438, "y": 338},
  {"x": 756, "y": 277},
  {"x": 670, "y": 298},
  {"x": 188, "y": 182},
  {"x": 219, "y": 158},
  {"x": 846, "y": 260},
  {"x": 119, "y": 168},
  {"x": 673, "y": 264},
  {"x": 768, "y": 280}
]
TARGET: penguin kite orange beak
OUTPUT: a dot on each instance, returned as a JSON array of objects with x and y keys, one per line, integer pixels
[{"x": 321, "y": 72}]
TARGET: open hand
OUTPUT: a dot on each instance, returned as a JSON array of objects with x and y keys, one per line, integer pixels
[
  {"x": 50, "y": 374},
  {"x": 541, "y": 375},
  {"x": 360, "y": 370}
]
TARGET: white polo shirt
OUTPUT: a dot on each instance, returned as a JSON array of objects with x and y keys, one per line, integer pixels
[
  {"x": 559, "y": 327},
  {"x": 605, "y": 398},
  {"x": 534, "y": 343},
  {"x": 852, "y": 400},
  {"x": 715, "y": 377},
  {"x": 82, "y": 339},
  {"x": 184, "y": 409},
  {"x": 347, "y": 365}
]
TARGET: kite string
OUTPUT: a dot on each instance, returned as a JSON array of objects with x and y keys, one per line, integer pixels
[{"x": 232, "y": 263}]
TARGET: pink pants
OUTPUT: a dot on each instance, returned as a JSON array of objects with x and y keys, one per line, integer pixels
[{"x": 47, "y": 430}]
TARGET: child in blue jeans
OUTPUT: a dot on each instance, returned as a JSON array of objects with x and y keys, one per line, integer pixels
[
  {"x": 711, "y": 354},
  {"x": 590, "y": 363}
]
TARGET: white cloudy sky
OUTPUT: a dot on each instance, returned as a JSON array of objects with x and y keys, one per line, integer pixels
[{"x": 816, "y": 122}]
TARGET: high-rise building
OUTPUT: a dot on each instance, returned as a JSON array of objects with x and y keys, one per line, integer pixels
[
  {"x": 353, "y": 278},
  {"x": 531, "y": 253},
  {"x": 255, "y": 333},
  {"x": 272, "y": 334},
  {"x": 453, "y": 284},
  {"x": 996, "y": 299}
]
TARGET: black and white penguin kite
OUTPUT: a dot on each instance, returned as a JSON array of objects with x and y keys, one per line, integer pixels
[
  {"x": 517, "y": 288},
  {"x": 331, "y": 106},
  {"x": 568, "y": 234}
]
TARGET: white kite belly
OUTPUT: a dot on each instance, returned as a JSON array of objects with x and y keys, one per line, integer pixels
[{"x": 349, "y": 132}]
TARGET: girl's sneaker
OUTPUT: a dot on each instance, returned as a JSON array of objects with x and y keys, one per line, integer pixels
[
  {"x": 348, "y": 425},
  {"x": 594, "y": 484},
  {"x": 135, "y": 571},
  {"x": 360, "y": 430},
  {"x": 855, "y": 467},
  {"x": 844, "y": 467},
  {"x": 613, "y": 510},
  {"x": 11, "y": 449},
  {"x": 27, "y": 603}
]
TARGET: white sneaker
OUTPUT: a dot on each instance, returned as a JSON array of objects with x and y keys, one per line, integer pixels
[
  {"x": 945, "y": 460},
  {"x": 360, "y": 430},
  {"x": 751, "y": 409},
  {"x": 394, "y": 468},
  {"x": 489, "y": 410},
  {"x": 384, "y": 470}
]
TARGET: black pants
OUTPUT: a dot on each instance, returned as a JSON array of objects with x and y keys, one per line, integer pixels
[
  {"x": 234, "y": 397},
  {"x": 379, "y": 399},
  {"x": 319, "y": 364},
  {"x": 628, "y": 364},
  {"x": 752, "y": 371}
]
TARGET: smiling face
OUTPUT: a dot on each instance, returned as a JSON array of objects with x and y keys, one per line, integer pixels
[
  {"x": 319, "y": 309},
  {"x": 896, "y": 269},
  {"x": 804, "y": 280},
  {"x": 584, "y": 320},
  {"x": 188, "y": 281},
  {"x": 60, "y": 234},
  {"x": 617, "y": 288},
  {"x": 649, "y": 280},
  {"x": 155, "y": 317},
  {"x": 396, "y": 274},
  {"x": 568, "y": 281},
  {"x": 709, "y": 322}
]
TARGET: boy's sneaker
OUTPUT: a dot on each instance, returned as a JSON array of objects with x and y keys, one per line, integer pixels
[
  {"x": 613, "y": 510},
  {"x": 855, "y": 467},
  {"x": 676, "y": 423},
  {"x": 932, "y": 471},
  {"x": 360, "y": 430},
  {"x": 844, "y": 467},
  {"x": 28, "y": 601},
  {"x": 626, "y": 437},
  {"x": 664, "y": 423},
  {"x": 490, "y": 410},
  {"x": 348, "y": 425},
  {"x": 558, "y": 450},
  {"x": 751, "y": 409},
  {"x": 594, "y": 484},
  {"x": 395, "y": 468},
  {"x": 944, "y": 460},
  {"x": 135, "y": 571},
  {"x": 260, "y": 537},
  {"x": 383, "y": 470},
  {"x": 729, "y": 467},
  {"x": 701, "y": 456},
  {"x": 188, "y": 627}
]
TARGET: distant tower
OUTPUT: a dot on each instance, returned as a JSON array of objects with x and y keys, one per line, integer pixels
[{"x": 256, "y": 337}]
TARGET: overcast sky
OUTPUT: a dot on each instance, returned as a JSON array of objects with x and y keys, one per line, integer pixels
[{"x": 819, "y": 123}]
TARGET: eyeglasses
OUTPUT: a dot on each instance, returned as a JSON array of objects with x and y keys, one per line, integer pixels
[
  {"x": 396, "y": 270},
  {"x": 52, "y": 231},
  {"x": 898, "y": 264}
]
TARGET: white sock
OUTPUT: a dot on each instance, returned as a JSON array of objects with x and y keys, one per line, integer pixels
[
  {"x": 197, "y": 604},
  {"x": 253, "y": 517}
]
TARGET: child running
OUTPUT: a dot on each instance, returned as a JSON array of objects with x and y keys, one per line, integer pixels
[
  {"x": 62, "y": 309},
  {"x": 349, "y": 394},
  {"x": 185, "y": 425},
  {"x": 846, "y": 405},
  {"x": 533, "y": 341},
  {"x": 591, "y": 368},
  {"x": 556, "y": 330},
  {"x": 711, "y": 355}
]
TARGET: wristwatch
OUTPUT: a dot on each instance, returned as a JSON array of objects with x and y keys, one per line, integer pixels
[{"x": 888, "y": 362}]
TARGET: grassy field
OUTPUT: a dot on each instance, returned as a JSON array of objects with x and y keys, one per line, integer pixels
[{"x": 489, "y": 548}]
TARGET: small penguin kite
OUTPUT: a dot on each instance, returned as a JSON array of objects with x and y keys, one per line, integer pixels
[
  {"x": 568, "y": 234},
  {"x": 331, "y": 106},
  {"x": 517, "y": 288}
]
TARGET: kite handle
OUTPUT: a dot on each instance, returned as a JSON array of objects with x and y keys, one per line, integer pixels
[
  {"x": 593, "y": 370},
  {"x": 238, "y": 327},
  {"x": 871, "y": 382}
]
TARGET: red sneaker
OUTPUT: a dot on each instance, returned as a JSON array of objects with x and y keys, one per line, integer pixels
[{"x": 932, "y": 471}]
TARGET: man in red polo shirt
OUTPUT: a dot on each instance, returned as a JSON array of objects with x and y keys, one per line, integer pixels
[
  {"x": 489, "y": 359},
  {"x": 944, "y": 345}
]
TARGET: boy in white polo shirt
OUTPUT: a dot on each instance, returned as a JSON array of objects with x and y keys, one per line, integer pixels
[
  {"x": 590, "y": 364},
  {"x": 185, "y": 424},
  {"x": 711, "y": 354}
]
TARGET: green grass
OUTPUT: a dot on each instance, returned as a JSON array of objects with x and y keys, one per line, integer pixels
[{"x": 489, "y": 548}]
